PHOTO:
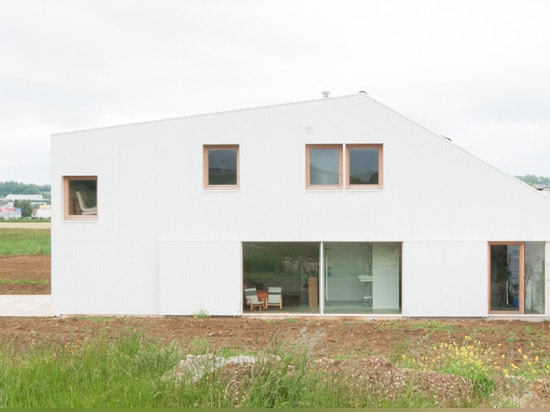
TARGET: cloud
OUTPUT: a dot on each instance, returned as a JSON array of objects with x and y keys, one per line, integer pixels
[{"x": 475, "y": 71}]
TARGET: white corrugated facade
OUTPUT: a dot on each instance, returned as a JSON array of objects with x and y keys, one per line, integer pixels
[{"x": 162, "y": 244}]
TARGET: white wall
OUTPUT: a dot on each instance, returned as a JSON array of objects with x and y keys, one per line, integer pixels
[
  {"x": 197, "y": 277},
  {"x": 445, "y": 279},
  {"x": 150, "y": 187}
]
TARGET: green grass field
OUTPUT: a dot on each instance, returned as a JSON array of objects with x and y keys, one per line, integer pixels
[{"x": 25, "y": 242}]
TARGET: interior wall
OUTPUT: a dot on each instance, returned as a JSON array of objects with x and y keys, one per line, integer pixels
[{"x": 386, "y": 275}]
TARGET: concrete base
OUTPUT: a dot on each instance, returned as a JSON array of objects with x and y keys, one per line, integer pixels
[{"x": 26, "y": 305}]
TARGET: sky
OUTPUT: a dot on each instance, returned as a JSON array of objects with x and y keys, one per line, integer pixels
[{"x": 477, "y": 72}]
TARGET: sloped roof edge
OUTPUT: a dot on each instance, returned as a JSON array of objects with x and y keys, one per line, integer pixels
[
  {"x": 356, "y": 95},
  {"x": 192, "y": 116}
]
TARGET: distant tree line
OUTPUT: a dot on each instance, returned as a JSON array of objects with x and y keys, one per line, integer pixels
[
  {"x": 535, "y": 180},
  {"x": 16, "y": 188}
]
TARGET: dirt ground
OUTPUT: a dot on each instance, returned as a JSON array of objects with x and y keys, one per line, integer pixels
[
  {"x": 26, "y": 268},
  {"x": 336, "y": 344}
]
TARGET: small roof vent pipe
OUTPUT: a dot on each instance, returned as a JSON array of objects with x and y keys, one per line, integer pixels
[{"x": 325, "y": 93}]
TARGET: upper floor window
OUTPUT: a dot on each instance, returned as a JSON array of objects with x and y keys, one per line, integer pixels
[
  {"x": 364, "y": 166},
  {"x": 80, "y": 194},
  {"x": 363, "y": 170},
  {"x": 221, "y": 166},
  {"x": 323, "y": 166}
]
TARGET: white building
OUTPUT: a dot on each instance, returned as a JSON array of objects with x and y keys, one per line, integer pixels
[
  {"x": 37, "y": 198},
  {"x": 10, "y": 212},
  {"x": 43, "y": 212},
  {"x": 345, "y": 204}
]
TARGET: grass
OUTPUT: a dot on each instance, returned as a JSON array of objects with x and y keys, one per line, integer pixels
[
  {"x": 25, "y": 242},
  {"x": 131, "y": 371},
  {"x": 120, "y": 374},
  {"x": 23, "y": 282}
]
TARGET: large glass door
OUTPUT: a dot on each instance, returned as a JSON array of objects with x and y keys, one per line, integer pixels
[
  {"x": 323, "y": 277},
  {"x": 506, "y": 267},
  {"x": 291, "y": 267},
  {"x": 516, "y": 277},
  {"x": 362, "y": 277}
]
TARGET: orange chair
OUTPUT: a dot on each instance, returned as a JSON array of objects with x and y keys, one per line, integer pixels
[{"x": 252, "y": 299}]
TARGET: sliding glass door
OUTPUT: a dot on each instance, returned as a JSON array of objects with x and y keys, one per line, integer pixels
[
  {"x": 291, "y": 266},
  {"x": 325, "y": 277},
  {"x": 362, "y": 277}
]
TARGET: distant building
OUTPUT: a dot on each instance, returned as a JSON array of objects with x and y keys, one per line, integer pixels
[
  {"x": 35, "y": 198},
  {"x": 43, "y": 212},
  {"x": 7, "y": 213}
]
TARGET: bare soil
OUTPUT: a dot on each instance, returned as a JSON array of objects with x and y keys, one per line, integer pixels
[
  {"x": 339, "y": 345},
  {"x": 25, "y": 268}
]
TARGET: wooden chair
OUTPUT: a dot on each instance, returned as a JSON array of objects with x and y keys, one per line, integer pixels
[
  {"x": 83, "y": 207},
  {"x": 252, "y": 299},
  {"x": 274, "y": 297}
]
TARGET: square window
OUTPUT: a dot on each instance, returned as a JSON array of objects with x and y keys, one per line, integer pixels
[
  {"x": 221, "y": 166},
  {"x": 323, "y": 166},
  {"x": 364, "y": 166},
  {"x": 80, "y": 197}
]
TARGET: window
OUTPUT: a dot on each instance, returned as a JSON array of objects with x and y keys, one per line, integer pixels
[
  {"x": 221, "y": 166},
  {"x": 324, "y": 166},
  {"x": 364, "y": 166},
  {"x": 363, "y": 170},
  {"x": 80, "y": 197},
  {"x": 516, "y": 277}
]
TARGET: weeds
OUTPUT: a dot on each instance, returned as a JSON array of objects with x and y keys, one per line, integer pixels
[
  {"x": 201, "y": 314},
  {"x": 130, "y": 371},
  {"x": 483, "y": 366}
]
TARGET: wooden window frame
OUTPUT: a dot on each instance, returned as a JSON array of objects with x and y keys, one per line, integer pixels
[
  {"x": 521, "y": 293},
  {"x": 205, "y": 150},
  {"x": 67, "y": 199},
  {"x": 380, "y": 184},
  {"x": 309, "y": 147}
]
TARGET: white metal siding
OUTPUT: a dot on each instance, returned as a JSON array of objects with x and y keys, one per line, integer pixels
[
  {"x": 200, "y": 276},
  {"x": 445, "y": 279}
]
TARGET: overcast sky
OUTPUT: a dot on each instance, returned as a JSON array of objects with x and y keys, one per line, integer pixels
[{"x": 477, "y": 71}]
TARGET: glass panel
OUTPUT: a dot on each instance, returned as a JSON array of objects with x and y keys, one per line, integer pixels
[
  {"x": 222, "y": 166},
  {"x": 82, "y": 197},
  {"x": 505, "y": 277},
  {"x": 324, "y": 166},
  {"x": 363, "y": 167},
  {"x": 534, "y": 277},
  {"x": 362, "y": 277},
  {"x": 292, "y": 266}
]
